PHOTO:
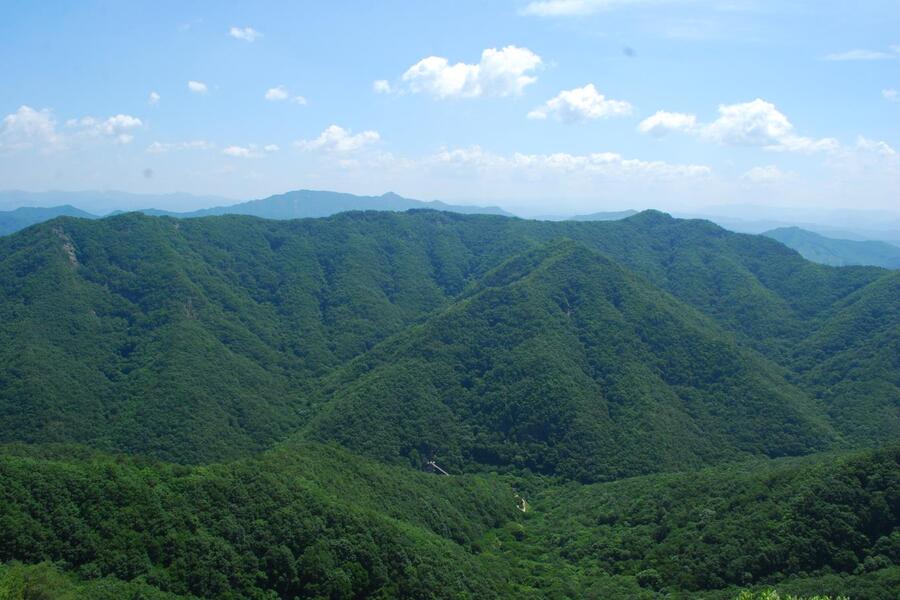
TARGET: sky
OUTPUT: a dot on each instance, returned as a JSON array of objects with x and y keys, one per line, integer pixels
[{"x": 541, "y": 107}]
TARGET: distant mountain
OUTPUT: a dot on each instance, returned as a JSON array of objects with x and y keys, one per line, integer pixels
[
  {"x": 605, "y": 216},
  {"x": 614, "y": 215},
  {"x": 20, "y": 218},
  {"x": 302, "y": 204},
  {"x": 836, "y": 252},
  {"x": 860, "y": 225},
  {"x": 102, "y": 202}
]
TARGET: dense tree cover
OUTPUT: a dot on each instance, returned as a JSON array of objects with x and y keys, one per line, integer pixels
[
  {"x": 563, "y": 363},
  {"x": 827, "y": 525},
  {"x": 308, "y": 521},
  {"x": 203, "y": 339},
  {"x": 44, "y": 581},
  {"x": 551, "y": 354},
  {"x": 303, "y": 521}
]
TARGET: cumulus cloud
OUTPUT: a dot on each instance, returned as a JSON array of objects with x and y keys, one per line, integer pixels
[
  {"x": 247, "y": 34},
  {"x": 119, "y": 127},
  {"x": 277, "y": 93},
  {"x": 28, "y": 128},
  {"x": 249, "y": 151},
  {"x": 605, "y": 164},
  {"x": 667, "y": 122},
  {"x": 153, "y": 99},
  {"x": 755, "y": 123},
  {"x": 163, "y": 147},
  {"x": 502, "y": 72},
  {"x": 760, "y": 123},
  {"x": 381, "y": 86},
  {"x": 581, "y": 104},
  {"x": 198, "y": 87},
  {"x": 280, "y": 93},
  {"x": 767, "y": 174},
  {"x": 338, "y": 139},
  {"x": 891, "y": 95},
  {"x": 861, "y": 54}
]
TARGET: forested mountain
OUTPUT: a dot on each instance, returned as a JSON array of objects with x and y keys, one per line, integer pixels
[
  {"x": 296, "y": 375},
  {"x": 563, "y": 363},
  {"x": 831, "y": 251},
  {"x": 202, "y": 339}
]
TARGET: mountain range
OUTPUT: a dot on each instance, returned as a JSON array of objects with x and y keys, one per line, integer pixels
[{"x": 239, "y": 407}]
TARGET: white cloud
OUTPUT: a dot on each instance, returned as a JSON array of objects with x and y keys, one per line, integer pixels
[
  {"x": 891, "y": 95},
  {"x": 755, "y": 123},
  {"x": 198, "y": 87},
  {"x": 153, "y": 99},
  {"x": 239, "y": 152},
  {"x": 604, "y": 164},
  {"x": 573, "y": 8},
  {"x": 874, "y": 146},
  {"x": 249, "y": 151},
  {"x": 501, "y": 72},
  {"x": 277, "y": 93},
  {"x": 861, "y": 54},
  {"x": 381, "y": 86},
  {"x": 118, "y": 127},
  {"x": 581, "y": 104},
  {"x": 162, "y": 147},
  {"x": 280, "y": 93},
  {"x": 338, "y": 139},
  {"x": 767, "y": 174},
  {"x": 248, "y": 34},
  {"x": 28, "y": 128},
  {"x": 665, "y": 122},
  {"x": 760, "y": 123}
]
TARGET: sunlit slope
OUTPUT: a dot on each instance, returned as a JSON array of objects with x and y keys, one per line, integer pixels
[
  {"x": 563, "y": 362},
  {"x": 202, "y": 339}
]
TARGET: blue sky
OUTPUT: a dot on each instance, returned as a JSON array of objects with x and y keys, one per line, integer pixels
[{"x": 545, "y": 106}]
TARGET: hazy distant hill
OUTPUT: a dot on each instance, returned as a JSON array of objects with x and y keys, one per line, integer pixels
[
  {"x": 301, "y": 204},
  {"x": 20, "y": 218},
  {"x": 830, "y": 251},
  {"x": 605, "y": 216},
  {"x": 102, "y": 202}
]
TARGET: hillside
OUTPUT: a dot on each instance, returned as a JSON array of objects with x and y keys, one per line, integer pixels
[
  {"x": 561, "y": 362},
  {"x": 204, "y": 339},
  {"x": 836, "y": 252},
  {"x": 310, "y": 522},
  {"x": 304, "y": 521},
  {"x": 828, "y": 524}
]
